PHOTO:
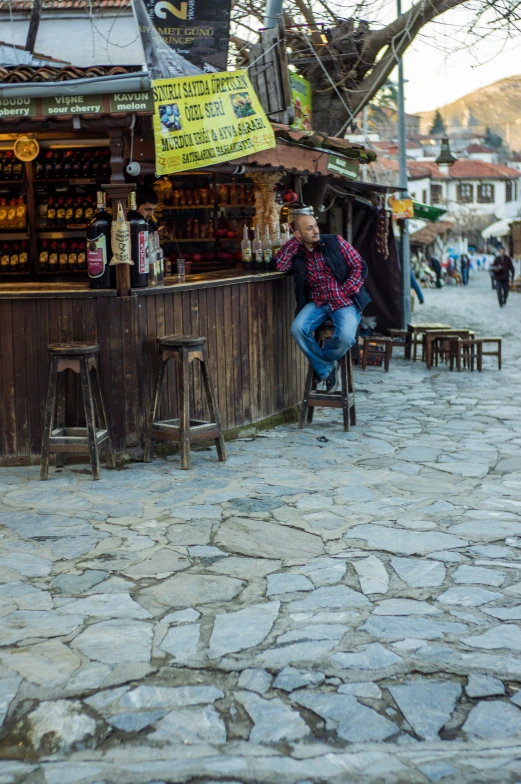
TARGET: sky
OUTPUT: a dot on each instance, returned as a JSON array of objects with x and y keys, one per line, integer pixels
[{"x": 439, "y": 68}]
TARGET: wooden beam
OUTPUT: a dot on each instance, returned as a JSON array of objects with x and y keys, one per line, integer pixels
[{"x": 34, "y": 24}]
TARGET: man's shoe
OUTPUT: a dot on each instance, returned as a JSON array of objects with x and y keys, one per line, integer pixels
[{"x": 333, "y": 380}]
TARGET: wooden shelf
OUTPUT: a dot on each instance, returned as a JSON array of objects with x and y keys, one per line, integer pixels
[
  {"x": 78, "y": 227},
  {"x": 63, "y": 272},
  {"x": 11, "y": 182},
  {"x": 71, "y": 234},
  {"x": 171, "y": 207},
  {"x": 172, "y": 242},
  {"x": 9, "y": 234},
  {"x": 70, "y": 181},
  {"x": 235, "y": 206}
]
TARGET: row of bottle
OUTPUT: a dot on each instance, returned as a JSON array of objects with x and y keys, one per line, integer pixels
[
  {"x": 62, "y": 255},
  {"x": 170, "y": 193},
  {"x": 80, "y": 163},
  {"x": 13, "y": 213},
  {"x": 10, "y": 167},
  {"x": 191, "y": 229},
  {"x": 67, "y": 211},
  {"x": 145, "y": 250},
  {"x": 260, "y": 253},
  {"x": 13, "y": 257}
]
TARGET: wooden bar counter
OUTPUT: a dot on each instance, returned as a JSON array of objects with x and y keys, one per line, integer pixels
[{"x": 256, "y": 367}]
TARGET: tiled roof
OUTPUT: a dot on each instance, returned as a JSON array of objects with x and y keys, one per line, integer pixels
[
  {"x": 479, "y": 148},
  {"x": 314, "y": 139},
  {"x": 20, "y": 6},
  {"x": 429, "y": 232},
  {"x": 25, "y": 73},
  {"x": 463, "y": 169}
]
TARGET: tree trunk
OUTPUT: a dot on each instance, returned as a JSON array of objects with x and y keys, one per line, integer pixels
[{"x": 329, "y": 114}]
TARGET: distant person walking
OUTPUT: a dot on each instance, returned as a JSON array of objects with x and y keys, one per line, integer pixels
[
  {"x": 502, "y": 269},
  {"x": 464, "y": 264},
  {"x": 435, "y": 266}
]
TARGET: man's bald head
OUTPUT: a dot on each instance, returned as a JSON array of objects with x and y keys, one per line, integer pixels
[{"x": 305, "y": 229}]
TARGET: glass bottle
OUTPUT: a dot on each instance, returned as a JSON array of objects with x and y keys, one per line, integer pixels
[
  {"x": 58, "y": 166},
  {"x": 53, "y": 257},
  {"x": 81, "y": 263},
  {"x": 18, "y": 169},
  {"x": 14, "y": 257},
  {"x": 51, "y": 212},
  {"x": 7, "y": 167},
  {"x": 69, "y": 211},
  {"x": 3, "y": 214},
  {"x": 4, "y": 258},
  {"x": 88, "y": 209},
  {"x": 79, "y": 211},
  {"x": 11, "y": 214},
  {"x": 22, "y": 258},
  {"x": 43, "y": 258},
  {"x": 256, "y": 248},
  {"x": 223, "y": 193},
  {"x": 40, "y": 167},
  {"x": 49, "y": 165},
  {"x": 98, "y": 247},
  {"x": 246, "y": 252},
  {"x": 138, "y": 244},
  {"x": 72, "y": 258},
  {"x": 67, "y": 164},
  {"x": 60, "y": 211},
  {"x": 21, "y": 213},
  {"x": 63, "y": 256},
  {"x": 267, "y": 249}
]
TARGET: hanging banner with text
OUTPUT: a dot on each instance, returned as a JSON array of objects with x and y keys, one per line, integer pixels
[
  {"x": 197, "y": 33},
  {"x": 207, "y": 119}
]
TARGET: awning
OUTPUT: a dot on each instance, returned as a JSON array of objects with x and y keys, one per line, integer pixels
[
  {"x": 498, "y": 229},
  {"x": 427, "y": 211}
]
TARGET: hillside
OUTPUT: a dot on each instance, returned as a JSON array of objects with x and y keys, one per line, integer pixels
[{"x": 497, "y": 106}]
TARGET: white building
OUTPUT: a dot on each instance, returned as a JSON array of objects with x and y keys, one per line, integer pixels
[{"x": 104, "y": 32}]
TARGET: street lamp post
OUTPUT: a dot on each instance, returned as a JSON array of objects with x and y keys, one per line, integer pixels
[
  {"x": 273, "y": 10},
  {"x": 405, "y": 248}
]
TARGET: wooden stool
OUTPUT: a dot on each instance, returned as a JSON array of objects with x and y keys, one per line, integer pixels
[
  {"x": 183, "y": 349},
  {"x": 372, "y": 345},
  {"x": 345, "y": 399},
  {"x": 80, "y": 358},
  {"x": 471, "y": 350},
  {"x": 402, "y": 339}
]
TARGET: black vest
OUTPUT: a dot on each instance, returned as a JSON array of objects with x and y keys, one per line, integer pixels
[{"x": 330, "y": 247}]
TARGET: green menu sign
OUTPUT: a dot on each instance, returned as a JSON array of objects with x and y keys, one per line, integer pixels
[
  {"x": 132, "y": 102},
  {"x": 17, "y": 107},
  {"x": 72, "y": 104},
  {"x": 347, "y": 169}
]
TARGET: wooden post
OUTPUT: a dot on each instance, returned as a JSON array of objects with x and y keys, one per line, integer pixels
[
  {"x": 34, "y": 24},
  {"x": 118, "y": 191}
]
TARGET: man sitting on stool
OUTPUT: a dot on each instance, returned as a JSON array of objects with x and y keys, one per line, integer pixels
[{"x": 329, "y": 276}]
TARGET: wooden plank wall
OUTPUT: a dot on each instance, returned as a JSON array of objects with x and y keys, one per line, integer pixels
[{"x": 256, "y": 368}]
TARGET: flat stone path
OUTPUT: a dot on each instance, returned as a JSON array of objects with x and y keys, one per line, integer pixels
[{"x": 324, "y": 607}]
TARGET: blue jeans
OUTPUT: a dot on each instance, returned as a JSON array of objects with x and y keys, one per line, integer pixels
[
  {"x": 346, "y": 321},
  {"x": 416, "y": 287}
]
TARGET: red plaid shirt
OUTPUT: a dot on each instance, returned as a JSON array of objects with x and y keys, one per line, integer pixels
[{"x": 325, "y": 289}]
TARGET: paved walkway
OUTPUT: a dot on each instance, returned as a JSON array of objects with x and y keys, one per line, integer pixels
[{"x": 324, "y": 607}]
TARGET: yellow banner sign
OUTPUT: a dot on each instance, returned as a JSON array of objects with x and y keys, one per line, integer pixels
[
  {"x": 207, "y": 119},
  {"x": 402, "y": 208}
]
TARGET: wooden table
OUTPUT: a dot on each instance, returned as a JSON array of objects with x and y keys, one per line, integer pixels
[{"x": 414, "y": 330}]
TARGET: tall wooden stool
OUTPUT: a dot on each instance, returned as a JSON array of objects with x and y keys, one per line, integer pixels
[
  {"x": 184, "y": 349},
  {"x": 81, "y": 358},
  {"x": 402, "y": 339},
  {"x": 345, "y": 399},
  {"x": 377, "y": 346}
]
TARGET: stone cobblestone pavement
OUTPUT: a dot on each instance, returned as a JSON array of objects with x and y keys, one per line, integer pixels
[{"x": 324, "y": 607}]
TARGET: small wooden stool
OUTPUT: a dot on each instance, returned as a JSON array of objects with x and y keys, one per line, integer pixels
[
  {"x": 471, "y": 350},
  {"x": 345, "y": 399},
  {"x": 183, "y": 349},
  {"x": 402, "y": 339},
  {"x": 372, "y": 346},
  {"x": 80, "y": 358}
]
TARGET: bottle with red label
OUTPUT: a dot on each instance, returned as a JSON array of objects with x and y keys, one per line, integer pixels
[
  {"x": 72, "y": 258},
  {"x": 43, "y": 258},
  {"x": 53, "y": 257},
  {"x": 60, "y": 211},
  {"x": 98, "y": 247},
  {"x": 81, "y": 262},
  {"x": 63, "y": 255},
  {"x": 22, "y": 258},
  {"x": 69, "y": 211},
  {"x": 138, "y": 244}
]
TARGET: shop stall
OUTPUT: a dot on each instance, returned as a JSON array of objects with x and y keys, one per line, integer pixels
[{"x": 84, "y": 145}]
